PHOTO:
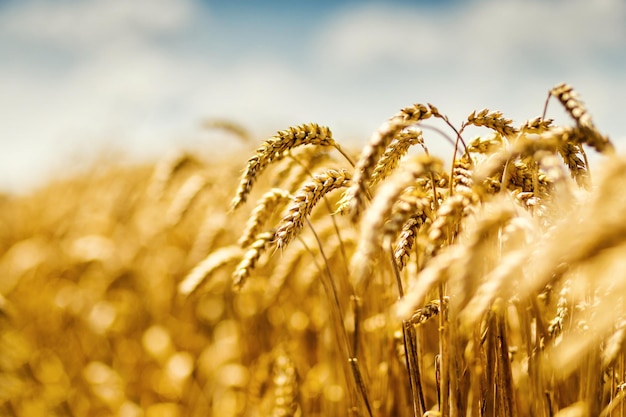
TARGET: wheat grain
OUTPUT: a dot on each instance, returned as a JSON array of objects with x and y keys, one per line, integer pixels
[
  {"x": 275, "y": 148},
  {"x": 305, "y": 200}
]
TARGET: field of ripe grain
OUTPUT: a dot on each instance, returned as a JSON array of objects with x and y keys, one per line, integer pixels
[{"x": 307, "y": 279}]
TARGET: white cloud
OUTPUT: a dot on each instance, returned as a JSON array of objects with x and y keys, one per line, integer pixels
[
  {"x": 81, "y": 76},
  {"x": 474, "y": 32},
  {"x": 498, "y": 54},
  {"x": 92, "y": 23}
]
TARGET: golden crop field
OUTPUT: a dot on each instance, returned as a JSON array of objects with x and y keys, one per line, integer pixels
[{"x": 313, "y": 280}]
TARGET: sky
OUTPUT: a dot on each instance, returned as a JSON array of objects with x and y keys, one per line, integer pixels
[{"x": 79, "y": 79}]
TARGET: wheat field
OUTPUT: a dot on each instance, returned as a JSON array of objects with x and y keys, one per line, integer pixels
[{"x": 308, "y": 279}]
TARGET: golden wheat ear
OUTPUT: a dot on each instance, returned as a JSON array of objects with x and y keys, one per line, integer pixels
[
  {"x": 250, "y": 258},
  {"x": 375, "y": 217},
  {"x": 398, "y": 147},
  {"x": 263, "y": 210},
  {"x": 492, "y": 120},
  {"x": 568, "y": 97},
  {"x": 228, "y": 126},
  {"x": 203, "y": 270},
  {"x": 275, "y": 149},
  {"x": 305, "y": 199},
  {"x": 354, "y": 198}
]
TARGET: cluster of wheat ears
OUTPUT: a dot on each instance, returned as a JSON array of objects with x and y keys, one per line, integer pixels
[{"x": 394, "y": 285}]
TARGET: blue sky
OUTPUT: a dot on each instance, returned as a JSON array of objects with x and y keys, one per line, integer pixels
[{"x": 79, "y": 78}]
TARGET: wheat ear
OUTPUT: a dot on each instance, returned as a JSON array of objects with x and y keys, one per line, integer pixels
[
  {"x": 207, "y": 266},
  {"x": 492, "y": 120},
  {"x": 574, "y": 242},
  {"x": 184, "y": 197},
  {"x": 285, "y": 382},
  {"x": 228, "y": 126},
  {"x": 566, "y": 94},
  {"x": 378, "y": 213},
  {"x": 569, "y": 99},
  {"x": 555, "y": 327},
  {"x": 406, "y": 241},
  {"x": 415, "y": 205},
  {"x": 435, "y": 272},
  {"x": 263, "y": 210},
  {"x": 577, "y": 166},
  {"x": 274, "y": 149},
  {"x": 165, "y": 170},
  {"x": 262, "y": 242},
  {"x": 394, "y": 152},
  {"x": 305, "y": 199},
  {"x": 355, "y": 196},
  {"x": 430, "y": 310},
  {"x": 447, "y": 219},
  {"x": 536, "y": 125}
]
